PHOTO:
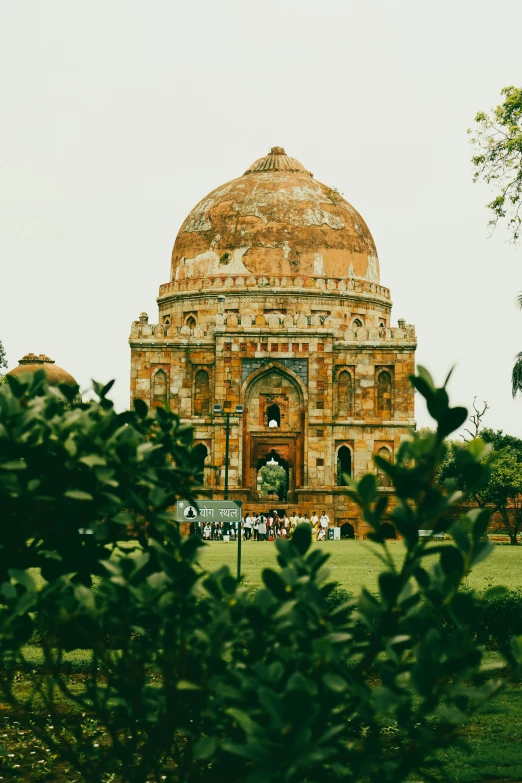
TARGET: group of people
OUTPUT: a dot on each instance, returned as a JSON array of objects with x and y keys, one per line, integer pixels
[
  {"x": 266, "y": 527},
  {"x": 215, "y": 531}
]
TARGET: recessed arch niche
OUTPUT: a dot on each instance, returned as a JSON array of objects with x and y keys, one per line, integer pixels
[{"x": 274, "y": 394}]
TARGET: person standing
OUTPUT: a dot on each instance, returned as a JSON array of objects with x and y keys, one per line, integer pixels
[
  {"x": 248, "y": 526},
  {"x": 325, "y": 520},
  {"x": 256, "y": 527},
  {"x": 262, "y": 527},
  {"x": 314, "y": 519}
]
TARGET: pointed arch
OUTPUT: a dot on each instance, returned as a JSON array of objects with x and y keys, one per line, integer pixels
[
  {"x": 267, "y": 368},
  {"x": 343, "y": 465},
  {"x": 159, "y": 388},
  {"x": 384, "y": 393},
  {"x": 383, "y": 480},
  {"x": 344, "y": 394},
  {"x": 201, "y": 394}
]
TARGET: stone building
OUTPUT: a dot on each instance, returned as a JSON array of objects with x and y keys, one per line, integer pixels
[
  {"x": 55, "y": 375},
  {"x": 275, "y": 303}
]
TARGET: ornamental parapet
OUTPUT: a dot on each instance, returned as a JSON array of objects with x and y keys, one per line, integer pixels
[
  {"x": 239, "y": 282},
  {"x": 404, "y": 333},
  {"x": 140, "y": 330}
]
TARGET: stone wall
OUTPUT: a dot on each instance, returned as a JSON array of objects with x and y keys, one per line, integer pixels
[{"x": 289, "y": 349}]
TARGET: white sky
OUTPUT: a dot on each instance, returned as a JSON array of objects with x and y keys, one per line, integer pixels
[{"x": 118, "y": 117}]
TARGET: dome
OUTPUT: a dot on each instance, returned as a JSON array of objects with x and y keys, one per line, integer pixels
[
  {"x": 31, "y": 363},
  {"x": 275, "y": 220}
]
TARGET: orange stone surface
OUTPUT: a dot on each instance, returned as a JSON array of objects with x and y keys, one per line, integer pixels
[
  {"x": 275, "y": 304},
  {"x": 31, "y": 363}
]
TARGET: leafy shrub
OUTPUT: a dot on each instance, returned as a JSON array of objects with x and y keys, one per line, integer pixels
[
  {"x": 287, "y": 687},
  {"x": 500, "y": 619}
]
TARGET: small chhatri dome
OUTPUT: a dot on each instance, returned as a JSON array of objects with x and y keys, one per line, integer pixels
[
  {"x": 31, "y": 363},
  {"x": 276, "y": 221}
]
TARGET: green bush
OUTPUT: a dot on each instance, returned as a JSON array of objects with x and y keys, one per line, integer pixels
[
  {"x": 500, "y": 620},
  {"x": 287, "y": 687}
]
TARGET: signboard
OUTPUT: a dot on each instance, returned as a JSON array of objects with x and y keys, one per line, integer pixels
[{"x": 209, "y": 511}]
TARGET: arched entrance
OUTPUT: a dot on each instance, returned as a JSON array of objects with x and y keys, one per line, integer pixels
[
  {"x": 272, "y": 476},
  {"x": 273, "y": 426},
  {"x": 347, "y": 530}
]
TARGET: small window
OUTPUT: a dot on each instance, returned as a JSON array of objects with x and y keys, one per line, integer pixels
[
  {"x": 295, "y": 347},
  {"x": 305, "y": 347},
  {"x": 320, "y": 384},
  {"x": 273, "y": 415},
  {"x": 320, "y": 346},
  {"x": 283, "y": 347},
  {"x": 191, "y": 322},
  {"x": 320, "y": 404},
  {"x": 319, "y": 462},
  {"x": 242, "y": 346},
  {"x": 254, "y": 346},
  {"x": 166, "y": 318},
  {"x": 264, "y": 346},
  {"x": 357, "y": 324},
  {"x": 274, "y": 347},
  {"x": 319, "y": 433}
]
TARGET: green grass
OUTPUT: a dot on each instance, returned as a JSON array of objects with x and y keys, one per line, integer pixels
[
  {"x": 353, "y": 564},
  {"x": 494, "y": 743}
]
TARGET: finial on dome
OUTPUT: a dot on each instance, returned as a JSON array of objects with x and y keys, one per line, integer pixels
[{"x": 277, "y": 160}]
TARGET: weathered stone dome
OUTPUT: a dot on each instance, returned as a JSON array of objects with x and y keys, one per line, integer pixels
[
  {"x": 275, "y": 220},
  {"x": 32, "y": 362}
]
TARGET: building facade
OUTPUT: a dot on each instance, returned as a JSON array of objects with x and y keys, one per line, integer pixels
[{"x": 275, "y": 303}]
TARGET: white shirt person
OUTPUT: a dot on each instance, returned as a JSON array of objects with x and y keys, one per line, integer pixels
[{"x": 325, "y": 520}]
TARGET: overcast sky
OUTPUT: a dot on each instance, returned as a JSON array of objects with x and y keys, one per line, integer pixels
[{"x": 118, "y": 117}]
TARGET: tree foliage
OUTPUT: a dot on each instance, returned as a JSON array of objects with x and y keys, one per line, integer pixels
[
  {"x": 501, "y": 486},
  {"x": 273, "y": 479},
  {"x": 189, "y": 677},
  {"x": 497, "y": 141},
  {"x": 3, "y": 359}
]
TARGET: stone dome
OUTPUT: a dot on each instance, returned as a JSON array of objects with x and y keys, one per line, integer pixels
[
  {"x": 55, "y": 375},
  {"x": 275, "y": 220}
]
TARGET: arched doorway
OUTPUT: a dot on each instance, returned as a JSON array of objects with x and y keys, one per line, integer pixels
[
  {"x": 275, "y": 401},
  {"x": 272, "y": 476},
  {"x": 200, "y": 452},
  {"x": 347, "y": 530},
  {"x": 344, "y": 465}
]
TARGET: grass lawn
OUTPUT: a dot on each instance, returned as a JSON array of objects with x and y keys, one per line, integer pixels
[{"x": 353, "y": 563}]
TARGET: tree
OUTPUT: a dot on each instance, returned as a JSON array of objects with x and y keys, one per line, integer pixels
[
  {"x": 273, "y": 480},
  {"x": 516, "y": 372},
  {"x": 3, "y": 359},
  {"x": 501, "y": 487},
  {"x": 497, "y": 140},
  {"x": 476, "y": 419}
]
